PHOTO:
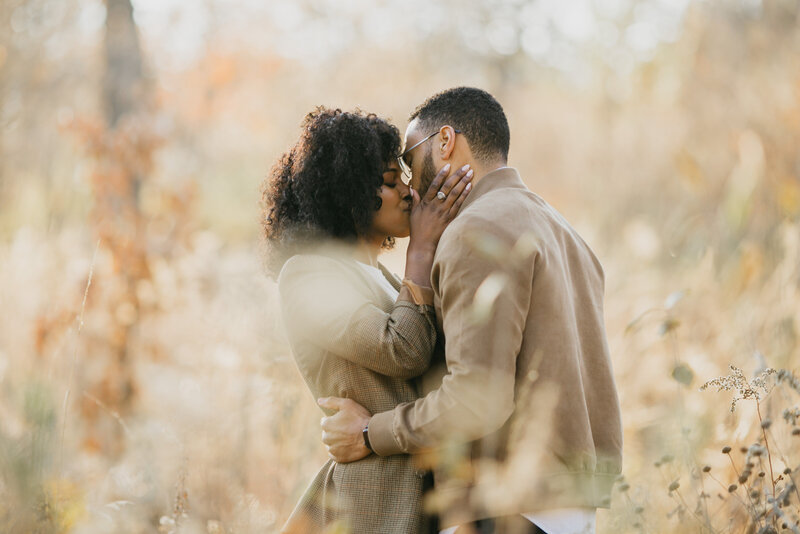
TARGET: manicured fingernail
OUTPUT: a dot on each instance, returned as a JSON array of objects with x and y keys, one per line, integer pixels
[
  {"x": 446, "y": 168},
  {"x": 469, "y": 186},
  {"x": 470, "y": 173},
  {"x": 465, "y": 167},
  {"x": 320, "y": 401}
]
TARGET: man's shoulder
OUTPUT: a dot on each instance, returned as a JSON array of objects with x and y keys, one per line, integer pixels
[
  {"x": 485, "y": 233},
  {"x": 503, "y": 212},
  {"x": 506, "y": 220}
]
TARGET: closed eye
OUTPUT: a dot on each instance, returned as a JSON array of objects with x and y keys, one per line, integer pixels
[{"x": 390, "y": 177}]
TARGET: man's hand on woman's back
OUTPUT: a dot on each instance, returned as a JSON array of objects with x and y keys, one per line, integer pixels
[{"x": 343, "y": 432}]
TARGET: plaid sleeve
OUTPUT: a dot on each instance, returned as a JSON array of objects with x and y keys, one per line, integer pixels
[{"x": 325, "y": 305}]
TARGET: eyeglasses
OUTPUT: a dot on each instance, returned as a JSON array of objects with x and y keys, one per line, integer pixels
[{"x": 401, "y": 158}]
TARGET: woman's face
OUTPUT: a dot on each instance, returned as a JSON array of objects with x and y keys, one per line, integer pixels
[{"x": 392, "y": 219}]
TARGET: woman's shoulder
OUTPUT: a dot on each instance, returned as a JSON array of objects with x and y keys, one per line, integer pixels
[
  {"x": 320, "y": 277},
  {"x": 306, "y": 261},
  {"x": 303, "y": 264}
]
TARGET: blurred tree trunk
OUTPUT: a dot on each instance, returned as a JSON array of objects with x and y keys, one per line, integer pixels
[
  {"x": 123, "y": 154},
  {"x": 124, "y": 83},
  {"x": 5, "y": 49},
  {"x": 123, "y": 86},
  {"x": 123, "y": 104}
]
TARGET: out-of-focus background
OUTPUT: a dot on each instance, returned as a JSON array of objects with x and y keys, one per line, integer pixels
[{"x": 145, "y": 383}]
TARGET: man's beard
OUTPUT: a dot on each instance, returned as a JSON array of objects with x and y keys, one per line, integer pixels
[{"x": 428, "y": 172}]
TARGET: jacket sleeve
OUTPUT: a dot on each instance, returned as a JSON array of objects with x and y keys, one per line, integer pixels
[
  {"x": 484, "y": 309},
  {"x": 327, "y": 306}
]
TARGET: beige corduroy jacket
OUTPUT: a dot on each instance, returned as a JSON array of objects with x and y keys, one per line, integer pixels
[
  {"x": 526, "y": 415},
  {"x": 350, "y": 339}
]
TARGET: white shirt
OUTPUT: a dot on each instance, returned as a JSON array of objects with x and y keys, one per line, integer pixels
[
  {"x": 377, "y": 274},
  {"x": 561, "y": 521}
]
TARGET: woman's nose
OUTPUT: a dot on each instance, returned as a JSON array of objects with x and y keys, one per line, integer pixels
[{"x": 405, "y": 191}]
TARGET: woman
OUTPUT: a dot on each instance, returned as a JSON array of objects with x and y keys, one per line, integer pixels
[{"x": 331, "y": 204}]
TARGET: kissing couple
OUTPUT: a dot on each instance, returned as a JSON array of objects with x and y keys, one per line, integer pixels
[{"x": 473, "y": 395}]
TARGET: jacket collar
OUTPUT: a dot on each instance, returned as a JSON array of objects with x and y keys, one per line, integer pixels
[{"x": 504, "y": 177}]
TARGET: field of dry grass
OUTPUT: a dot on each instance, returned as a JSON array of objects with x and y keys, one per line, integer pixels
[{"x": 146, "y": 384}]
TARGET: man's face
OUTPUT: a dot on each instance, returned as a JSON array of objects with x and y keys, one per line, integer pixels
[{"x": 420, "y": 159}]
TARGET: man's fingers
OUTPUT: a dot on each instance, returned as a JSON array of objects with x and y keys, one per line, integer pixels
[
  {"x": 332, "y": 403},
  {"x": 328, "y": 423},
  {"x": 330, "y": 452},
  {"x": 430, "y": 194}
]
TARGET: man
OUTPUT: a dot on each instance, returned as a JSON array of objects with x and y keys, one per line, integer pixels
[{"x": 525, "y": 424}]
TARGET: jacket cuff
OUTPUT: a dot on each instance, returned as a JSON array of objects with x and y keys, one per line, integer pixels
[
  {"x": 381, "y": 435},
  {"x": 406, "y": 298},
  {"x": 419, "y": 294}
]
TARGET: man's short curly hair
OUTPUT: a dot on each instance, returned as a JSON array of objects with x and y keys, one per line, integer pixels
[
  {"x": 475, "y": 113},
  {"x": 326, "y": 186}
]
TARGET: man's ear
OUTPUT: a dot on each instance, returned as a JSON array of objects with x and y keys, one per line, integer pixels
[{"x": 447, "y": 142}]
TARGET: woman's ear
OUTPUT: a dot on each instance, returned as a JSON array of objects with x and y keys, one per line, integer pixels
[{"x": 447, "y": 142}]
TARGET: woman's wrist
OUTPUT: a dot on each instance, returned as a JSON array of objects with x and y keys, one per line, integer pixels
[
  {"x": 419, "y": 262},
  {"x": 420, "y": 252}
]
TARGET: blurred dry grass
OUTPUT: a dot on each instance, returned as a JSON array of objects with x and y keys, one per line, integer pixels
[{"x": 683, "y": 175}]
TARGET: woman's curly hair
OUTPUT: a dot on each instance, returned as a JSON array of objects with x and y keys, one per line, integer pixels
[{"x": 326, "y": 186}]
